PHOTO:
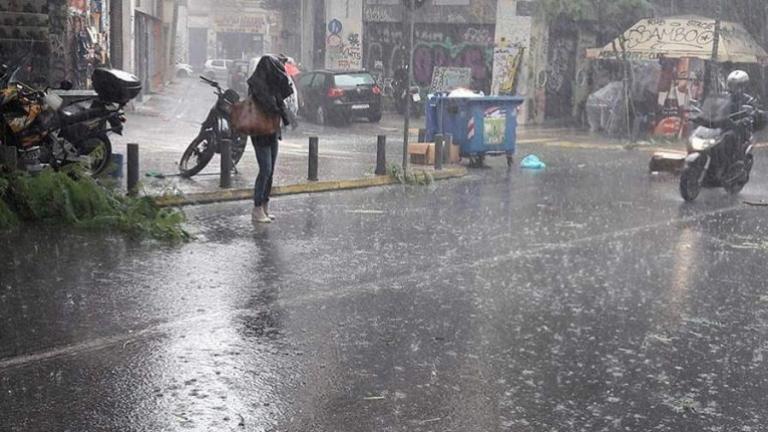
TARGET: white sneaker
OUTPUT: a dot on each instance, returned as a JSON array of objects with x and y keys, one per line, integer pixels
[
  {"x": 258, "y": 216},
  {"x": 266, "y": 211}
]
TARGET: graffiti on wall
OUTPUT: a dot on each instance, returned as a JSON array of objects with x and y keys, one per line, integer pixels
[
  {"x": 560, "y": 64},
  {"x": 436, "y": 45},
  {"x": 378, "y": 14}
]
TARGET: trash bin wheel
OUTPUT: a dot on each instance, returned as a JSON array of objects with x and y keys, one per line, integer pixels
[{"x": 477, "y": 161}]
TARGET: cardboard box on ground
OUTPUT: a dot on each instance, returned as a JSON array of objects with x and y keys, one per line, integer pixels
[{"x": 424, "y": 153}]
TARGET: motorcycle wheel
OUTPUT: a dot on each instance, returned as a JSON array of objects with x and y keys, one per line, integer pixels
[
  {"x": 99, "y": 149},
  {"x": 690, "y": 186},
  {"x": 738, "y": 186},
  {"x": 196, "y": 156}
]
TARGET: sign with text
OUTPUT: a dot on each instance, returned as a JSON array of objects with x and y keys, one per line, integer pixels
[
  {"x": 240, "y": 23},
  {"x": 344, "y": 34}
]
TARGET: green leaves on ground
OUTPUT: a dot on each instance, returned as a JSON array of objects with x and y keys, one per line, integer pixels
[
  {"x": 410, "y": 177},
  {"x": 76, "y": 199}
]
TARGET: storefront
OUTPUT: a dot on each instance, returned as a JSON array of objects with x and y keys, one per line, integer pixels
[
  {"x": 240, "y": 36},
  {"x": 677, "y": 51}
]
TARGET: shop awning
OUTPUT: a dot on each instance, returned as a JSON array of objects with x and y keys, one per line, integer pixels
[{"x": 683, "y": 37}]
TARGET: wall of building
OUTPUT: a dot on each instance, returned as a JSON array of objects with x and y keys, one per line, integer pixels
[
  {"x": 512, "y": 50},
  {"x": 65, "y": 39},
  {"x": 24, "y": 28},
  {"x": 445, "y": 35},
  {"x": 230, "y": 29}
]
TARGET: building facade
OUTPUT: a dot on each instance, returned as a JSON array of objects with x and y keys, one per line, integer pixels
[
  {"x": 229, "y": 29},
  {"x": 61, "y": 40}
]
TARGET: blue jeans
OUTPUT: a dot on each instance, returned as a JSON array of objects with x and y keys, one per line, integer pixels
[{"x": 266, "y": 155}]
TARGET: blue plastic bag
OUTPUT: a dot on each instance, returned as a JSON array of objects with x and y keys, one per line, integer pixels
[{"x": 532, "y": 162}]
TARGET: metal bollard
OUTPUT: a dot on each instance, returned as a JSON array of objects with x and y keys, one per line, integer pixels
[
  {"x": 438, "y": 152},
  {"x": 447, "y": 148},
  {"x": 422, "y": 135},
  {"x": 133, "y": 169},
  {"x": 381, "y": 155},
  {"x": 225, "y": 149},
  {"x": 312, "y": 175}
]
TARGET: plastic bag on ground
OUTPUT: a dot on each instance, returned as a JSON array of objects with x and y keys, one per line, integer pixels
[{"x": 532, "y": 162}]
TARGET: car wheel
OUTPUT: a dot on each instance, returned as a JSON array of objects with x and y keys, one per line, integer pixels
[
  {"x": 321, "y": 116},
  {"x": 374, "y": 117}
]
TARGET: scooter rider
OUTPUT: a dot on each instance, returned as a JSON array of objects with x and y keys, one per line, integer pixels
[{"x": 737, "y": 82}]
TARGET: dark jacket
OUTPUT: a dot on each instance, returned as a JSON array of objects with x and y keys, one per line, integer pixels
[{"x": 269, "y": 86}]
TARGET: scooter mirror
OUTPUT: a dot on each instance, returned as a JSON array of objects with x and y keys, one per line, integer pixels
[{"x": 66, "y": 85}]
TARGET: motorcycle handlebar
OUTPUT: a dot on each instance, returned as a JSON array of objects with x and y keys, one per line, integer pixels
[{"x": 209, "y": 81}]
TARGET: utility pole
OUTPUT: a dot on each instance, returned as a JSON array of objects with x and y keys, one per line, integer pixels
[
  {"x": 409, "y": 7},
  {"x": 711, "y": 79},
  {"x": 409, "y": 22}
]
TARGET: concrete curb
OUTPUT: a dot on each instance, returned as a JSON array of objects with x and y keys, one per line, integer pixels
[{"x": 225, "y": 195}]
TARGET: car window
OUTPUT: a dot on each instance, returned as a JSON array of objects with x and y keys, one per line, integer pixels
[
  {"x": 353, "y": 79},
  {"x": 306, "y": 80},
  {"x": 217, "y": 63},
  {"x": 319, "y": 81}
]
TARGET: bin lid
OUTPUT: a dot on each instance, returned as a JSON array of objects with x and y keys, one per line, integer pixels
[{"x": 518, "y": 100}]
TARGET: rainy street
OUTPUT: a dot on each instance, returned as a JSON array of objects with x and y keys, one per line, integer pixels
[
  {"x": 583, "y": 297},
  {"x": 491, "y": 216}
]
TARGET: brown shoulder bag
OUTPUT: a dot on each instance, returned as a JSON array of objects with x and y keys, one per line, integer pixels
[{"x": 248, "y": 118}]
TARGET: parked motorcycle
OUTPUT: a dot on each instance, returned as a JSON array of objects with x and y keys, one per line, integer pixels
[
  {"x": 46, "y": 132},
  {"x": 215, "y": 129},
  {"x": 720, "y": 148},
  {"x": 400, "y": 95}
]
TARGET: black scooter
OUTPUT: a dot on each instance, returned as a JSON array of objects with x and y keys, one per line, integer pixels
[
  {"x": 720, "y": 148},
  {"x": 214, "y": 130}
]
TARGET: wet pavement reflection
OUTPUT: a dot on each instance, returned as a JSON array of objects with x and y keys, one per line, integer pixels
[{"x": 585, "y": 297}]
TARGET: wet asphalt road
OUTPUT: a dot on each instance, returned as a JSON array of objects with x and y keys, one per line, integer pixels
[{"x": 586, "y": 297}]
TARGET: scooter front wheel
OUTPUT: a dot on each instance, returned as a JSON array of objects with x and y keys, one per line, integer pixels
[
  {"x": 690, "y": 183},
  {"x": 196, "y": 157}
]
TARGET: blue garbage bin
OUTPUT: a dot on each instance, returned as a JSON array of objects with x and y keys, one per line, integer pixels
[
  {"x": 431, "y": 115},
  {"x": 480, "y": 126}
]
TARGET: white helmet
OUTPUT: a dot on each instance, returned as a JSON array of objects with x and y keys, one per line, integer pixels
[{"x": 738, "y": 81}]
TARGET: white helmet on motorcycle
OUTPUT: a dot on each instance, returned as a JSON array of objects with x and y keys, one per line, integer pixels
[{"x": 738, "y": 81}]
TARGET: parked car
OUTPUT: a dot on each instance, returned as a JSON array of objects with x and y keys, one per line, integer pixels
[
  {"x": 237, "y": 76},
  {"x": 335, "y": 96},
  {"x": 184, "y": 70},
  {"x": 217, "y": 69}
]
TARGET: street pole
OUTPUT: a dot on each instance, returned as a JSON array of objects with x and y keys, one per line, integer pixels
[
  {"x": 409, "y": 52},
  {"x": 711, "y": 74}
]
